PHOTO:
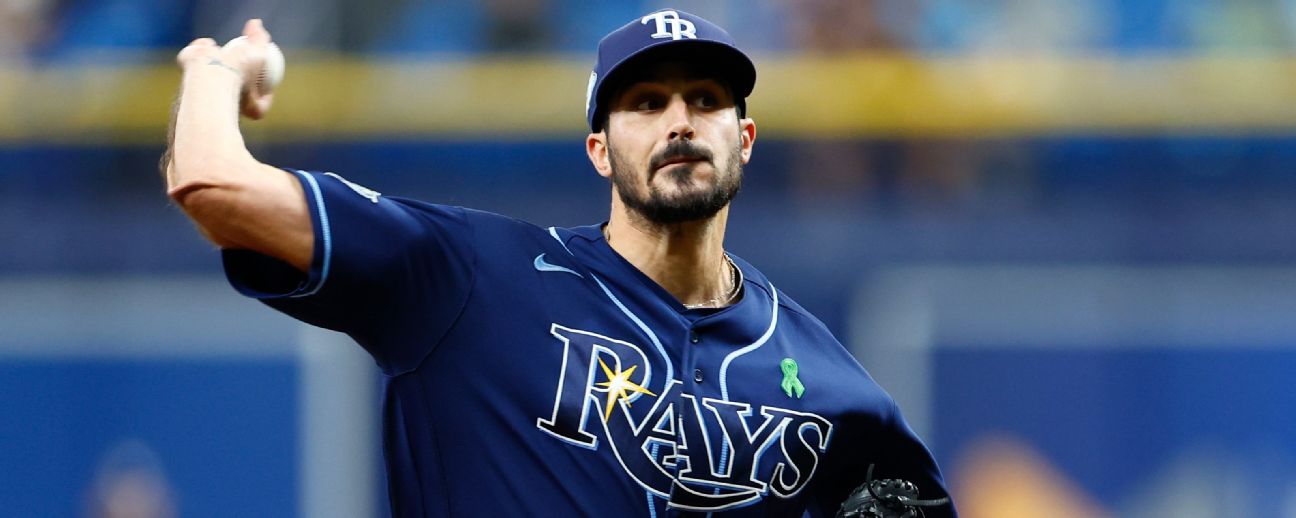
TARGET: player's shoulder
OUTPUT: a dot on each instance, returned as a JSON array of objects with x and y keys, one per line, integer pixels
[
  {"x": 793, "y": 310},
  {"x": 851, "y": 377},
  {"x": 805, "y": 324},
  {"x": 503, "y": 234},
  {"x": 479, "y": 219},
  {"x": 790, "y": 311},
  {"x": 491, "y": 225},
  {"x": 797, "y": 323}
]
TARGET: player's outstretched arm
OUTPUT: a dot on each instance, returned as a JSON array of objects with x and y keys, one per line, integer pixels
[{"x": 236, "y": 201}]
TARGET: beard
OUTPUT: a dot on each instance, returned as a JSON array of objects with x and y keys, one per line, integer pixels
[{"x": 689, "y": 204}]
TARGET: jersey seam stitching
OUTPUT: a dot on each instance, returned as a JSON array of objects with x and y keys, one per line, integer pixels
[
  {"x": 463, "y": 305},
  {"x": 326, "y": 245},
  {"x": 441, "y": 471}
]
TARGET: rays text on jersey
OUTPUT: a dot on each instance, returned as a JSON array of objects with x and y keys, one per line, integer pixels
[{"x": 700, "y": 453}]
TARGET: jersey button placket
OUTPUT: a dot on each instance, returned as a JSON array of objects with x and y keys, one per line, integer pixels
[{"x": 694, "y": 338}]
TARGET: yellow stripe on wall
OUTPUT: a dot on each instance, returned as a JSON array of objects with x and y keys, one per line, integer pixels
[
  {"x": 973, "y": 96},
  {"x": 337, "y": 98}
]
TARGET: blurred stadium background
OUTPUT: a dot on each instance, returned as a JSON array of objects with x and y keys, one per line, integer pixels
[{"x": 1062, "y": 233}]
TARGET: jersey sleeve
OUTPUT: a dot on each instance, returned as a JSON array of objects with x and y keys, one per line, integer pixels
[{"x": 392, "y": 273}]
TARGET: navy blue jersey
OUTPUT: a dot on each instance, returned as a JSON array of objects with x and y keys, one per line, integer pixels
[{"x": 533, "y": 370}]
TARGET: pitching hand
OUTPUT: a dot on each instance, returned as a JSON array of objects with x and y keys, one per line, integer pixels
[{"x": 246, "y": 61}]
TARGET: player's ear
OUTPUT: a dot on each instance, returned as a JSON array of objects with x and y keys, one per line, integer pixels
[
  {"x": 747, "y": 136},
  {"x": 597, "y": 150}
]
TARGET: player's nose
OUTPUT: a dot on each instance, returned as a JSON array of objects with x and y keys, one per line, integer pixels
[{"x": 679, "y": 119}]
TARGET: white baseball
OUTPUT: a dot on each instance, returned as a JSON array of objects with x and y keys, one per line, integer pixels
[{"x": 273, "y": 71}]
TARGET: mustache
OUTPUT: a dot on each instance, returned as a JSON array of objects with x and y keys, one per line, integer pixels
[{"x": 679, "y": 150}]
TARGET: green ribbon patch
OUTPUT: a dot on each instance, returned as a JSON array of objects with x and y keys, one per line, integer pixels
[{"x": 790, "y": 382}]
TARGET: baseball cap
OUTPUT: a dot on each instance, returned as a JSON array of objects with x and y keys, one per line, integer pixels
[{"x": 668, "y": 32}]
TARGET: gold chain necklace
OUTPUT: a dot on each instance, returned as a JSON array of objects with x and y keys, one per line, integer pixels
[{"x": 735, "y": 280}]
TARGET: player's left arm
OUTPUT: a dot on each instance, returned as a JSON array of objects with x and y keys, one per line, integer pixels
[{"x": 896, "y": 453}]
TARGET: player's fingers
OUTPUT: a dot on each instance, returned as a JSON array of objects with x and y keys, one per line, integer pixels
[
  {"x": 255, "y": 105},
  {"x": 195, "y": 50},
  {"x": 256, "y": 32}
]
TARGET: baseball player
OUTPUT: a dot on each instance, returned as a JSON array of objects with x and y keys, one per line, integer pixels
[{"x": 629, "y": 368}]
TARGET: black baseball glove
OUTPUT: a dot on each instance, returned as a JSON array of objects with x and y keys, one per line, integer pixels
[{"x": 885, "y": 498}]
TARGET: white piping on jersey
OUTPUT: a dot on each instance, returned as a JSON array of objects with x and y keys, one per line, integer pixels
[
  {"x": 724, "y": 366},
  {"x": 670, "y": 370},
  {"x": 554, "y": 232},
  {"x": 652, "y": 509},
  {"x": 324, "y": 231},
  {"x": 724, "y": 370}
]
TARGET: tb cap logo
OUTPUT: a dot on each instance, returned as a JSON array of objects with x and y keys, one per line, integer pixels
[{"x": 679, "y": 28}]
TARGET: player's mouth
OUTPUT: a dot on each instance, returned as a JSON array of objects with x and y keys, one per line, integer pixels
[
  {"x": 676, "y": 158},
  {"x": 678, "y": 170},
  {"x": 677, "y": 162}
]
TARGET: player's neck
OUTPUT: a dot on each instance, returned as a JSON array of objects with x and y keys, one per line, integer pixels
[{"x": 686, "y": 259}]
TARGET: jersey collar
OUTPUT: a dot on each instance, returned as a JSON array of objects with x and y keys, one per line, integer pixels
[{"x": 742, "y": 322}]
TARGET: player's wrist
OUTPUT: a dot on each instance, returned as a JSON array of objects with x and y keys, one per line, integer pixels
[
  {"x": 218, "y": 63},
  {"x": 213, "y": 69}
]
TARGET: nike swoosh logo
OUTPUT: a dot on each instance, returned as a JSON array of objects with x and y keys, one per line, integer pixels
[{"x": 545, "y": 266}]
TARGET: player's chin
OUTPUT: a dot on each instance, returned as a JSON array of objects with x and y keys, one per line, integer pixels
[
  {"x": 684, "y": 191},
  {"x": 684, "y": 209}
]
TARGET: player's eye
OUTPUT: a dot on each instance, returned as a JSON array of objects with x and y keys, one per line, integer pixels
[
  {"x": 649, "y": 103},
  {"x": 705, "y": 101}
]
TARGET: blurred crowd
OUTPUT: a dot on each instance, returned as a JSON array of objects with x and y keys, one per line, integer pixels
[
  {"x": 927, "y": 171},
  {"x": 61, "y": 29}
]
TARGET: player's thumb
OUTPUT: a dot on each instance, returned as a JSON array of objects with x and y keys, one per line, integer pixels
[{"x": 256, "y": 32}]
